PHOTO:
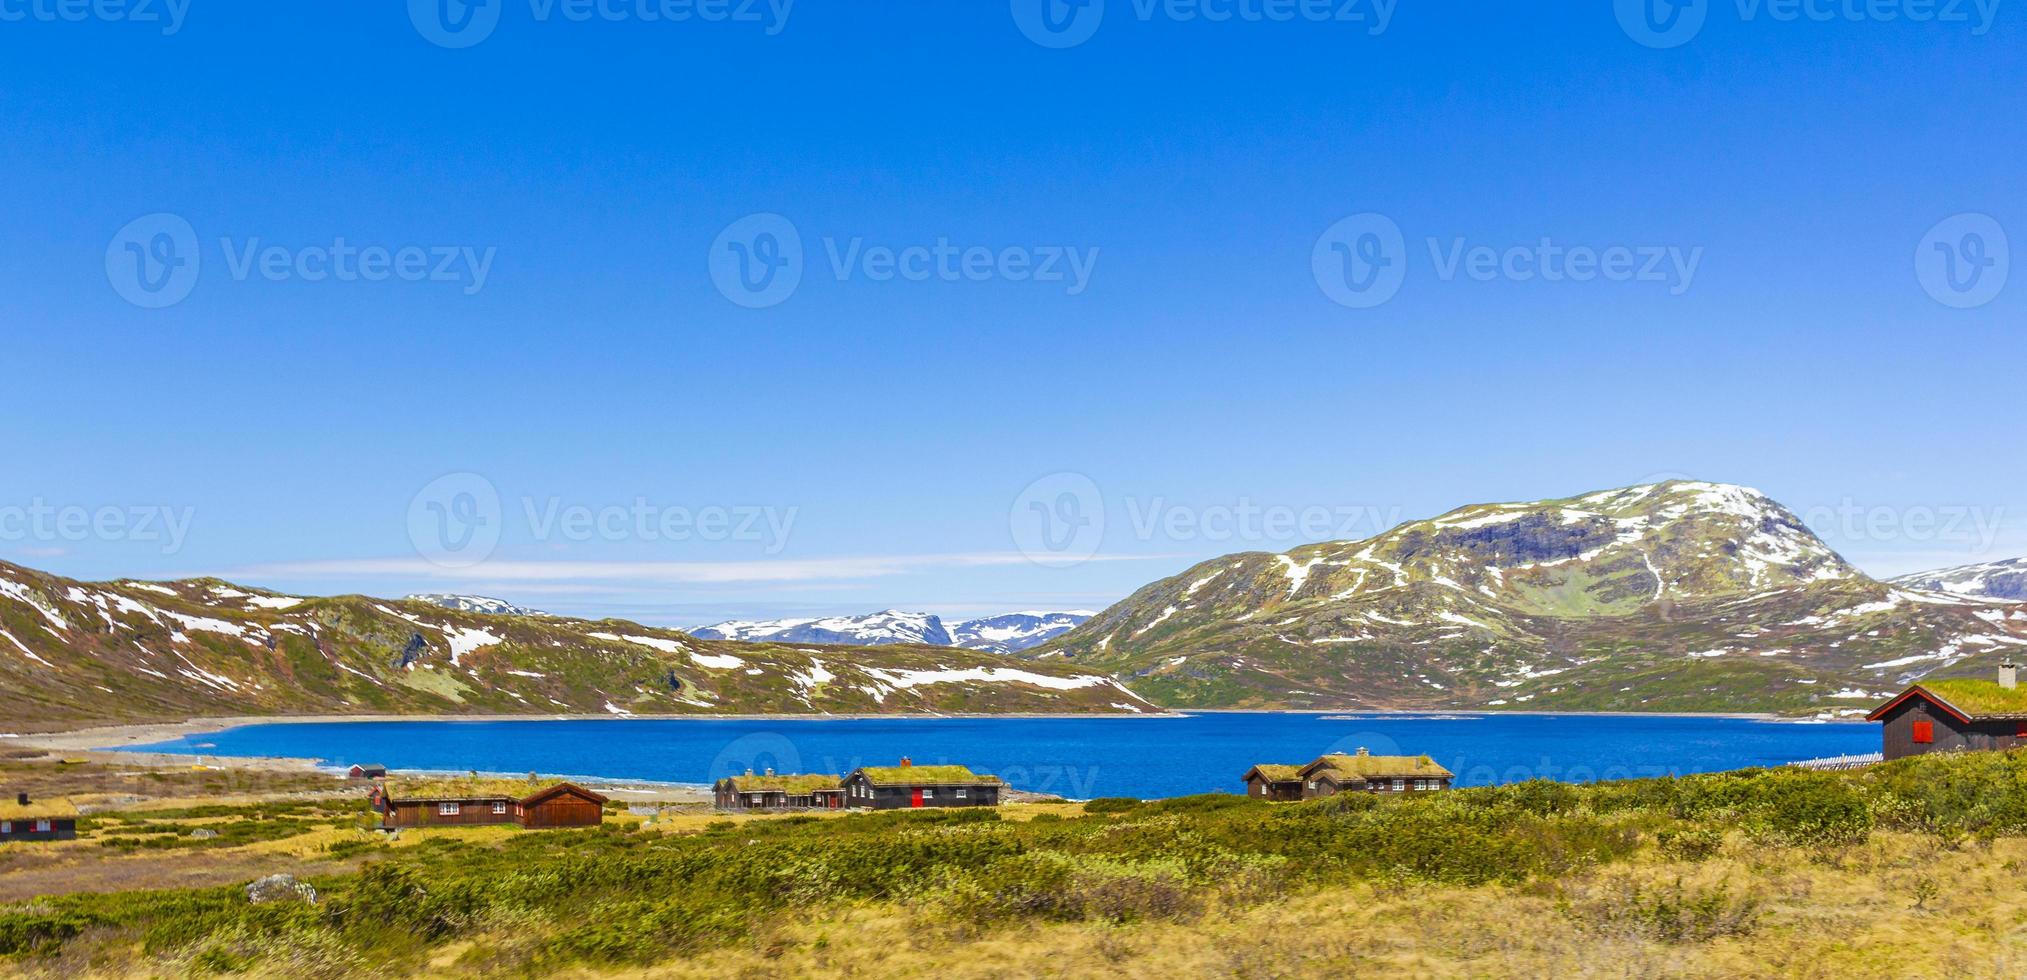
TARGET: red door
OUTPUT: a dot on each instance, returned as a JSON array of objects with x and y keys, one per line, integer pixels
[{"x": 917, "y": 799}]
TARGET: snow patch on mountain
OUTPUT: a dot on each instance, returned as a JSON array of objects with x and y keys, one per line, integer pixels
[
  {"x": 1992, "y": 580},
  {"x": 472, "y": 604},
  {"x": 1005, "y": 633}
]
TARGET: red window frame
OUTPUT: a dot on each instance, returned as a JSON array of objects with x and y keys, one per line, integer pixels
[{"x": 1924, "y": 732}]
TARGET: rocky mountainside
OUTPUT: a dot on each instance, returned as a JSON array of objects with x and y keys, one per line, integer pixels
[
  {"x": 1676, "y": 596},
  {"x": 475, "y": 603},
  {"x": 75, "y": 653},
  {"x": 1993, "y": 580},
  {"x": 998, "y": 634}
]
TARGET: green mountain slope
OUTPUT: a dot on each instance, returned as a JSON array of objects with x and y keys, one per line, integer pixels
[
  {"x": 75, "y": 653},
  {"x": 1676, "y": 596}
]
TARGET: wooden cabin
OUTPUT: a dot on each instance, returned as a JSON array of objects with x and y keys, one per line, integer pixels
[
  {"x": 909, "y": 786},
  {"x": 1957, "y": 715},
  {"x": 1333, "y": 774},
  {"x": 28, "y": 819},
  {"x": 1272, "y": 782},
  {"x": 532, "y": 803},
  {"x": 776, "y": 791},
  {"x": 366, "y": 772}
]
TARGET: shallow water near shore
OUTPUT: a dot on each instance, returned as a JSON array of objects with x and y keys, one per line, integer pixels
[{"x": 1079, "y": 758}]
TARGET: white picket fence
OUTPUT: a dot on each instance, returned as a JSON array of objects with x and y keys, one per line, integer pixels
[{"x": 1840, "y": 762}]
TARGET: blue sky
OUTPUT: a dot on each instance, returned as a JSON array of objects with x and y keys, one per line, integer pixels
[{"x": 1146, "y": 330}]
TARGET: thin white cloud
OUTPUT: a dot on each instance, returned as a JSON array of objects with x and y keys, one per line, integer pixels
[{"x": 553, "y": 573}]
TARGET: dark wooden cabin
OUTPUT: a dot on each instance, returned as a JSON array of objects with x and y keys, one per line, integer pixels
[
  {"x": 1333, "y": 774},
  {"x": 1958, "y": 715},
  {"x": 1368, "y": 773},
  {"x": 1276, "y": 783},
  {"x": 477, "y": 801},
  {"x": 778, "y": 791},
  {"x": 908, "y": 786},
  {"x": 366, "y": 772},
  {"x": 27, "y": 819}
]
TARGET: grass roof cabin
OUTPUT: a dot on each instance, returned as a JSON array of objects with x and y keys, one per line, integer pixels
[
  {"x": 1954, "y": 715},
  {"x": 779, "y": 791},
  {"x": 909, "y": 786},
  {"x": 1278, "y": 783},
  {"x": 471, "y": 800},
  {"x": 27, "y": 819},
  {"x": 1361, "y": 772}
]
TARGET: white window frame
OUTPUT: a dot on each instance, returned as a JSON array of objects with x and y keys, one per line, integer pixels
[
  {"x": 928, "y": 794},
  {"x": 449, "y": 809},
  {"x": 499, "y": 807},
  {"x": 6, "y": 826},
  {"x": 1400, "y": 785},
  {"x": 42, "y": 826},
  {"x": 960, "y": 794}
]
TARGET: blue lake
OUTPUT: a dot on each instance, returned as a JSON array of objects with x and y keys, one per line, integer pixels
[{"x": 1075, "y": 757}]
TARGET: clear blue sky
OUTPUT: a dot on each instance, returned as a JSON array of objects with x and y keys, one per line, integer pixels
[{"x": 1200, "y": 366}]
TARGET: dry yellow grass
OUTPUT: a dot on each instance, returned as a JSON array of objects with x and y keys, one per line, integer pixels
[{"x": 1822, "y": 916}]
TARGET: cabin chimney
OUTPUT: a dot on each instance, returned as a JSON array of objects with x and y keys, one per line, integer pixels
[
  {"x": 906, "y": 762},
  {"x": 21, "y": 799},
  {"x": 2009, "y": 674}
]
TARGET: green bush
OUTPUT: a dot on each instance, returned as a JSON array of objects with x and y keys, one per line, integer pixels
[{"x": 1112, "y": 804}]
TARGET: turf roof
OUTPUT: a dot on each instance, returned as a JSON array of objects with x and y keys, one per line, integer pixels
[
  {"x": 1380, "y": 766},
  {"x": 794, "y": 784},
  {"x": 36, "y": 809},
  {"x": 1980, "y": 698},
  {"x": 927, "y": 776},
  {"x": 466, "y": 788}
]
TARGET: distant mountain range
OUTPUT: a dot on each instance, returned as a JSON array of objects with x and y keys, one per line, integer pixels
[
  {"x": 1677, "y": 596},
  {"x": 474, "y": 604},
  {"x": 1994, "y": 580},
  {"x": 74, "y": 653},
  {"x": 1008, "y": 633}
]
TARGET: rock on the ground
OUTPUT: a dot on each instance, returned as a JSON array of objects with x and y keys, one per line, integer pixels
[{"x": 280, "y": 888}]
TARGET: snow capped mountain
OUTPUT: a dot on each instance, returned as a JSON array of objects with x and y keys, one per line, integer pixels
[
  {"x": 1993, "y": 580},
  {"x": 999, "y": 634},
  {"x": 474, "y": 604},
  {"x": 1016, "y": 631},
  {"x": 1693, "y": 595}
]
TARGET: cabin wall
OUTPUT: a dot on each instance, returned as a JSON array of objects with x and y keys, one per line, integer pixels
[
  {"x": 564, "y": 811},
  {"x": 411, "y": 814},
  {"x": 1896, "y": 732},
  {"x": 903, "y": 797},
  {"x": 60, "y": 828}
]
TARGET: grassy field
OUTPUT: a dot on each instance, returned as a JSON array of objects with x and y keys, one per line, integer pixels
[{"x": 1909, "y": 868}]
